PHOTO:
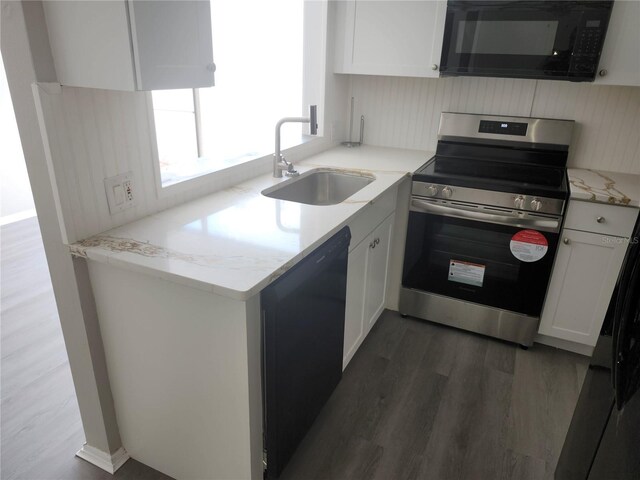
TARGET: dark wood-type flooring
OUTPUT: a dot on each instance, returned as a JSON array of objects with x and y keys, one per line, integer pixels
[
  {"x": 417, "y": 401},
  {"x": 424, "y": 401}
]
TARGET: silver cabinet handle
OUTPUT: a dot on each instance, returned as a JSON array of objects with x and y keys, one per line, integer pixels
[
  {"x": 600, "y": 219},
  {"x": 434, "y": 67},
  {"x": 377, "y": 241},
  {"x": 566, "y": 241},
  {"x": 372, "y": 244}
]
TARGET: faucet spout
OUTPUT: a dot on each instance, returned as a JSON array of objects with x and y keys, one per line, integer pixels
[{"x": 279, "y": 162}]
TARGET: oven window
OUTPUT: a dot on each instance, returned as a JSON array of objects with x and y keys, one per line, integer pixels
[
  {"x": 472, "y": 260},
  {"x": 506, "y": 37}
]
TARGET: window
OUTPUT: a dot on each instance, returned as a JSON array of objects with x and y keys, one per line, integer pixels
[{"x": 258, "y": 50}]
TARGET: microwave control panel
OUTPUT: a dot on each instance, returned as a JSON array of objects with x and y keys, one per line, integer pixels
[{"x": 587, "y": 47}]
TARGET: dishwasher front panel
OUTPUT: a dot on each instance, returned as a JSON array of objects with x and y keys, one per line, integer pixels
[{"x": 303, "y": 334}]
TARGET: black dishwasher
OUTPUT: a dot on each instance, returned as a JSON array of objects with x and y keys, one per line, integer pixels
[{"x": 302, "y": 342}]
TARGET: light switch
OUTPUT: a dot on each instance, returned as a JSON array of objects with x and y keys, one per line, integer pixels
[{"x": 118, "y": 194}]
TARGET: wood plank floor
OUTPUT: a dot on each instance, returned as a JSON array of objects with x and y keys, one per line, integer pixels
[{"x": 418, "y": 400}]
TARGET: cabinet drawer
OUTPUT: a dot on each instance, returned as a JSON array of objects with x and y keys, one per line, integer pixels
[
  {"x": 371, "y": 216},
  {"x": 600, "y": 218}
]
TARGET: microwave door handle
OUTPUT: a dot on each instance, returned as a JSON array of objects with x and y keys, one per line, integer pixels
[{"x": 546, "y": 224}]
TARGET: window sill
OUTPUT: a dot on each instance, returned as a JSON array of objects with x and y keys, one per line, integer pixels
[{"x": 230, "y": 172}]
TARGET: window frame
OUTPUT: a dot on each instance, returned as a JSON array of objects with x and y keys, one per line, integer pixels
[{"x": 313, "y": 92}]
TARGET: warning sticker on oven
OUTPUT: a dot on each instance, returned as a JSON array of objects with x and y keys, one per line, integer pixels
[
  {"x": 529, "y": 245},
  {"x": 465, "y": 272}
]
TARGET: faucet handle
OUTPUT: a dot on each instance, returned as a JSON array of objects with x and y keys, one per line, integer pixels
[
  {"x": 313, "y": 119},
  {"x": 291, "y": 172}
]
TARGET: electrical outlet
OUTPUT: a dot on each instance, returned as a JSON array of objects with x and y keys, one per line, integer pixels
[{"x": 120, "y": 192}]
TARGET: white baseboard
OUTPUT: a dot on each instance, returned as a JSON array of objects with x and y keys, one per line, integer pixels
[
  {"x": 564, "y": 344},
  {"x": 105, "y": 461}
]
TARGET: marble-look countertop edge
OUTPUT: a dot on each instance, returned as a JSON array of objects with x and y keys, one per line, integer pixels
[
  {"x": 600, "y": 186},
  {"x": 95, "y": 252}
]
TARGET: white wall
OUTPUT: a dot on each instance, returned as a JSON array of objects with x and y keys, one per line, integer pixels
[
  {"x": 404, "y": 112},
  {"x": 27, "y": 59},
  {"x": 15, "y": 190}
]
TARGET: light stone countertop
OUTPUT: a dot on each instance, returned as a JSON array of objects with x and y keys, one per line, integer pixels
[
  {"x": 237, "y": 241},
  {"x": 605, "y": 187}
]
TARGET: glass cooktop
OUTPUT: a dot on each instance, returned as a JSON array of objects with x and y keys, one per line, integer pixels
[{"x": 503, "y": 176}]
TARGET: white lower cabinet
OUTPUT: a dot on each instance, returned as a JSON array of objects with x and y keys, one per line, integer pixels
[
  {"x": 376, "y": 275},
  {"x": 366, "y": 286},
  {"x": 584, "y": 276}
]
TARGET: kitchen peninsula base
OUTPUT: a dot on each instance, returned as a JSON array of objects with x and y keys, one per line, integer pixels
[{"x": 184, "y": 369}]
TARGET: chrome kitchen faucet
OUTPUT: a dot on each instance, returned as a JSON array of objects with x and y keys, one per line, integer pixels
[{"x": 279, "y": 162}]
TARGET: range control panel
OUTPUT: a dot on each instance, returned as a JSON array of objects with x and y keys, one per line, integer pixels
[{"x": 503, "y": 128}]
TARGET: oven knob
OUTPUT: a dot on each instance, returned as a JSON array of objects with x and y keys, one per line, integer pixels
[
  {"x": 519, "y": 201},
  {"x": 432, "y": 190},
  {"x": 447, "y": 192},
  {"x": 536, "y": 204}
]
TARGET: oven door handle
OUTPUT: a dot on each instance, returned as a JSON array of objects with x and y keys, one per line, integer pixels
[{"x": 549, "y": 224}]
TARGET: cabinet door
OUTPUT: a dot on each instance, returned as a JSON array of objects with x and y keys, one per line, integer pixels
[
  {"x": 354, "y": 313},
  {"x": 584, "y": 276},
  {"x": 620, "y": 58},
  {"x": 172, "y": 44},
  {"x": 131, "y": 45},
  {"x": 90, "y": 44},
  {"x": 376, "y": 274},
  {"x": 393, "y": 37}
]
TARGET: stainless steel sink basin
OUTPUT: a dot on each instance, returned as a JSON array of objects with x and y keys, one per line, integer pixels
[{"x": 320, "y": 187}]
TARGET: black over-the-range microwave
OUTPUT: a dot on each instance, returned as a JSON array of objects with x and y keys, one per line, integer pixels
[{"x": 544, "y": 39}]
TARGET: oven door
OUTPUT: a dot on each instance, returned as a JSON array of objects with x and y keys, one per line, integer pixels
[
  {"x": 490, "y": 256},
  {"x": 528, "y": 39}
]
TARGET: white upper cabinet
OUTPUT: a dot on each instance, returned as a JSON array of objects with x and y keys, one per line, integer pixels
[
  {"x": 620, "y": 59},
  {"x": 402, "y": 38},
  {"x": 131, "y": 45}
]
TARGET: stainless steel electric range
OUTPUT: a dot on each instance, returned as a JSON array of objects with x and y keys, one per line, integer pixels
[{"x": 484, "y": 224}]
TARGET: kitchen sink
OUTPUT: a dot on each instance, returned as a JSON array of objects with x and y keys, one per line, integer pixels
[{"x": 320, "y": 187}]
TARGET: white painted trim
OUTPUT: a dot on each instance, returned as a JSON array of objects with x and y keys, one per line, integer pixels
[
  {"x": 108, "y": 463},
  {"x": 153, "y": 142},
  {"x": 37, "y": 99},
  {"x": 562, "y": 344},
  {"x": 16, "y": 217}
]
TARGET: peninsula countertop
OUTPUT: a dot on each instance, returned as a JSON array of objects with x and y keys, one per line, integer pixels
[
  {"x": 236, "y": 241},
  {"x": 605, "y": 187}
]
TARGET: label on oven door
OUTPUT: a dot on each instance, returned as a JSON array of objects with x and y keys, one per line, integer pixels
[
  {"x": 529, "y": 245},
  {"x": 466, "y": 272}
]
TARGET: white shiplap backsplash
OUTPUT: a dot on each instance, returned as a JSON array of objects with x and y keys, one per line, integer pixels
[
  {"x": 95, "y": 134},
  {"x": 404, "y": 112}
]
